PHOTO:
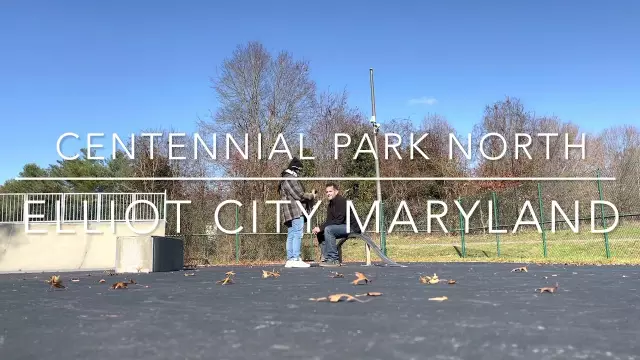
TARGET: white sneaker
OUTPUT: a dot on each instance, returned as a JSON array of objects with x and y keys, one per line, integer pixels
[
  {"x": 296, "y": 263},
  {"x": 302, "y": 264},
  {"x": 290, "y": 263}
]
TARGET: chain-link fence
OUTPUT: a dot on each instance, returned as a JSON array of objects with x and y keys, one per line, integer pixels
[
  {"x": 519, "y": 221},
  {"x": 559, "y": 221}
]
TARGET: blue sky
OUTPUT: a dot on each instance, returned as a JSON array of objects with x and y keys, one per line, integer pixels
[{"x": 123, "y": 66}]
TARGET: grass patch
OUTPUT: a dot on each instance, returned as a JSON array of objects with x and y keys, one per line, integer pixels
[{"x": 563, "y": 247}]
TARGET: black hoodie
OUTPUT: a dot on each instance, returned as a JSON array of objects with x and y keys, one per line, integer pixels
[{"x": 337, "y": 214}]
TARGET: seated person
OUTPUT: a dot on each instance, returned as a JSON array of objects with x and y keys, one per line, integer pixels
[{"x": 335, "y": 226}]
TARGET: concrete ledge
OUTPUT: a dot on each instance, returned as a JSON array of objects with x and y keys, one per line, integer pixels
[
  {"x": 134, "y": 254},
  {"x": 149, "y": 254},
  {"x": 52, "y": 251},
  {"x": 168, "y": 254}
]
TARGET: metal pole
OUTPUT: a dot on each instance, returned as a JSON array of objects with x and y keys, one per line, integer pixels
[
  {"x": 544, "y": 234},
  {"x": 383, "y": 240},
  {"x": 495, "y": 220},
  {"x": 237, "y": 237},
  {"x": 462, "y": 228},
  {"x": 604, "y": 220}
]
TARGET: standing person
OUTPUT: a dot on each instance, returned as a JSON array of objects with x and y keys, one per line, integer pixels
[
  {"x": 335, "y": 226},
  {"x": 292, "y": 190}
]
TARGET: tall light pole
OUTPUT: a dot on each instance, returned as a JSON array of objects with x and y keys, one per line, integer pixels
[{"x": 376, "y": 127}]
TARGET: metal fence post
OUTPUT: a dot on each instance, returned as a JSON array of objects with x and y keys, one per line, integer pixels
[
  {"x": 495, "y": 219},
  {"x": 544, "y": 234},
  {"x": 99, "y": 210},
  {"x": 604, "y": 220},
  {"x": 63, "y": 207},
  {"x": 237, "y": 237},
  {"x": 133, "y": 208},
  {"x": 464, "y": 248},
  {"x": 164, "y": 207}
]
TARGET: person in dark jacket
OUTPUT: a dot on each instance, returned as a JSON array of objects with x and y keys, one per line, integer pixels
[
  {"x": 335, "y": 226},
  {"x": 292, "y": 190}
]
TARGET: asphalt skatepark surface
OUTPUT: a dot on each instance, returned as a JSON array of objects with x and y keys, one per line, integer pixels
[{"x": 491, "y": 313}]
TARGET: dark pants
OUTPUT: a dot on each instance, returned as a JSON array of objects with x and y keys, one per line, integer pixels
[{"x": 327, "y": 240}]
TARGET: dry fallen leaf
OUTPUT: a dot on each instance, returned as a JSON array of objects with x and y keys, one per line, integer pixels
[
  {"x": 360, "y": 278},
  {"x": 268, "y": 274},
  {"x": 441, "y": 298},
  {"x": 371, "y": 293},
  {"x": 520, "y": 269},
  {"x": 429, "y": 279},
  {"x": 102, "y": 280},
  {"x": 189, "y": 274},
  {"x": 338, "y": 297},
  {"x": 119, "y": 285},
  {"x": 56, "y": 282},
  {"x": 228, "y": 279},
  {"x": 75, "y": 280},
  {"x": 225, "y": 281},
  {"x": 549, "y": 289},
  {"x": 451, "y": 282},
  {"x": 337, "y": 274}
]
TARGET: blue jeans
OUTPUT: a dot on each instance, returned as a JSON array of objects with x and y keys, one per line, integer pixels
[
  {"x": 327, "y": 239},
  {"x": 294, "y": 238}
]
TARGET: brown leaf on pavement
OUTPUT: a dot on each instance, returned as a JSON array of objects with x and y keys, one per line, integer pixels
[
  {"x": 520, "y": 269},
  {"x": 346, "y": 297},
  {"x": 225, "y": 281},
  {"x": 429, "y": 279},
  {"x": 119, "y": 285},
  {"x": 549, "y": 289},
  {"x": 268, "y": 274},
  {"x": 370, "y": 293},
  {"x": 360, "y": 278},
  {"x": 55, "y": 282}
]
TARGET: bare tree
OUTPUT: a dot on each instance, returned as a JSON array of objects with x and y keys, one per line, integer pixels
[
  {"x": 506, "y": 118},
  {"x": 333, "y": 115},
  {"x": 621, "y": 157},
  {"x": 260, "y": 95}
]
